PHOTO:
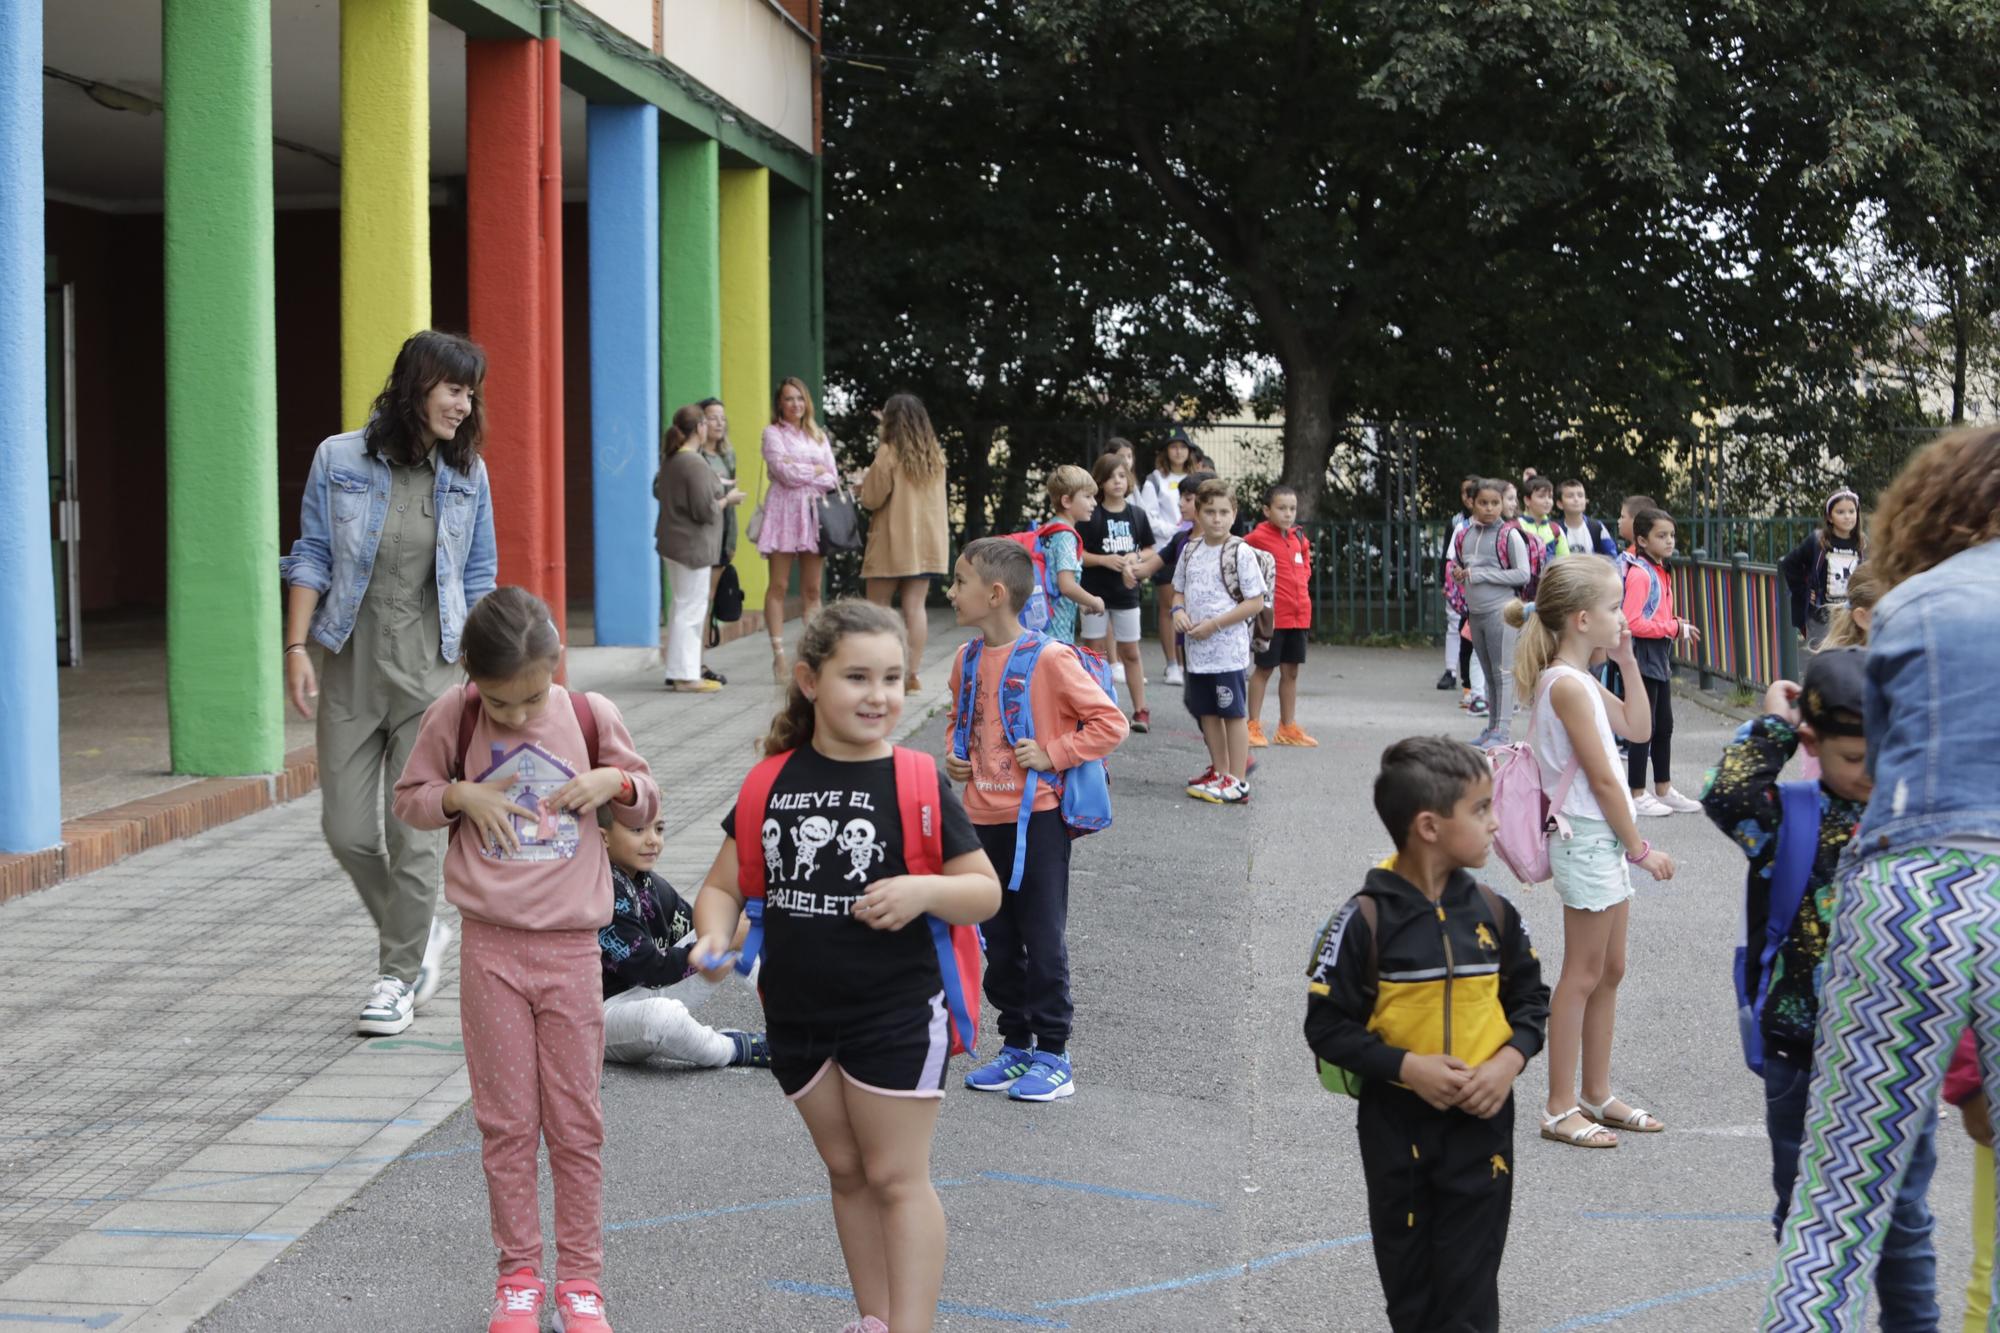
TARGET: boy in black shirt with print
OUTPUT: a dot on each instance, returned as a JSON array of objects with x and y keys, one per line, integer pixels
[{"x": 1424, "y": 952}]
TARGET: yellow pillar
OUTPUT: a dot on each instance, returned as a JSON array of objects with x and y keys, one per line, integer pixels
[
  {"x": 746, "y": 342},
  {"x": 385, "y": 191}
]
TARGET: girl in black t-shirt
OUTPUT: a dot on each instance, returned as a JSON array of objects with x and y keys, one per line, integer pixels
[
  {"x": 853, "y": 998},
  {"x": 1117, "y": 555}
]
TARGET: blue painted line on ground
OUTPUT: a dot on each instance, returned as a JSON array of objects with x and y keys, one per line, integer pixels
[
  {"x": 1083, "y": 1187},
  {"x": 105, "y": 1320},
  {"x": 1654, "y": 1303},
  {"x": 944, "y": 1307},
  {"x": 336, "y": 1120},
  {"x": 1202, "y": 1279},
  {"x": 1675, "y": 1217},
  {"x": 311, "y": 1169},
  {"x": 758, "y": 1206},
  {"x": 274, "y": 1237}
]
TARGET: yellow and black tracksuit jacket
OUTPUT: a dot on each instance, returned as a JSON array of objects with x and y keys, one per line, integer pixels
[{"x": 1441, "y": 978}]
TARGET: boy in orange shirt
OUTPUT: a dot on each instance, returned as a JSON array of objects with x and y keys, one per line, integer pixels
[{"x": 1027, "y": 952}]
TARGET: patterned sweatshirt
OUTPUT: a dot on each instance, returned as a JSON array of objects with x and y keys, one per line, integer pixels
[
  {"x": 1742, "y": 799},
  {"x": 641, "y": 946}
]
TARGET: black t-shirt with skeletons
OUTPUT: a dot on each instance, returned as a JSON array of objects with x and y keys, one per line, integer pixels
[{"x": 831, "y": 829}]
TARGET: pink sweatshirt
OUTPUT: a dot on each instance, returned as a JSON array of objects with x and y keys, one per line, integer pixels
[{"x": 560, "y": 878}]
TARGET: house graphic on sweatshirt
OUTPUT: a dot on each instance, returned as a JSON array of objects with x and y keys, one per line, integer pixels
[{"x": 534, "y": 776}]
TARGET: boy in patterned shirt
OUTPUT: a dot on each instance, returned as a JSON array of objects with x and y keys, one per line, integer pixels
[
  {"x": 1744, "y": 799},
  {"x": 1072, "y": 500}
]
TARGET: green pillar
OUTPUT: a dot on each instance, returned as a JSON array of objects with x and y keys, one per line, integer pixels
[
  {"x": 794, "y": 350},
  {"x": 224, "y": 671},
  {"x": 691, "y": 284}
]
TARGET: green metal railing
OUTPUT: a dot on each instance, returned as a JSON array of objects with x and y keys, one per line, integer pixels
[{"x": 1375, "y": 578}]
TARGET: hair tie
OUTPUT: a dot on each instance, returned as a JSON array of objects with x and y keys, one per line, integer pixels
[{"x": 1527, "y": 608}]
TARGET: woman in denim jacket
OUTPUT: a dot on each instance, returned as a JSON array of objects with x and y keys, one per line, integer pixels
[
  {"x": 395, "y": 544},
  {"x": 1915, "y": 947}
]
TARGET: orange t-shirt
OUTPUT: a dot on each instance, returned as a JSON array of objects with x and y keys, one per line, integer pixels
[{"x": 1074, "y": 721}]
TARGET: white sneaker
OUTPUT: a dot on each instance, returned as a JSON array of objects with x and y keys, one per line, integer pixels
[
  {"x": 1118, "y": 672},
  {"x": 432, "y": 970},
  {"x": 1175, "y": 676},
  {"x": 391, "y": 1007},
  {"x": 1650, "y": 805},
  {"x": 1678, "y": 803}
]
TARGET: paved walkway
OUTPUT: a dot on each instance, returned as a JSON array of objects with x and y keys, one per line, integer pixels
[{"x": 199, "y": 1115}]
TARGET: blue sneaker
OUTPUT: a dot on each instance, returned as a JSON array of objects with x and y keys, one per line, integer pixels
[
  {"x": 1002, "y": 1072},
  {"x": 1047, "y": 1080}
]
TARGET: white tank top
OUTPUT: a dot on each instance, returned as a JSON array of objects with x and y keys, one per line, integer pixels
[{"x": 1550, "y": 739}]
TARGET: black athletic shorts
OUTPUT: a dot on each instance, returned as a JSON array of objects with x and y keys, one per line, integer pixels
[
  {"x": 899, "y": 1053},
  {"x": 1287, "y": 645}
]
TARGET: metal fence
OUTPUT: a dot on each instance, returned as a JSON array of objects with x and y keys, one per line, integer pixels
[{"x": 1374, "y": 579}]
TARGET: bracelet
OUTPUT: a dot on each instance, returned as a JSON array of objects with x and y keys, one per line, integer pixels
[
  {"x": 291, "y": 648},
  {"x": 1645, "y": 850},
  {"x": 627, "y": 793}
]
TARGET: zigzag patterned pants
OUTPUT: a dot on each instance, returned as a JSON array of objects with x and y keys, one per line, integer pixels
[{"x": 1914, "y": 955}]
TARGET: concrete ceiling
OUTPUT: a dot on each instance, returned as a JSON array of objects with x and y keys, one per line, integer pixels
[{"x": 111, "y": 159}]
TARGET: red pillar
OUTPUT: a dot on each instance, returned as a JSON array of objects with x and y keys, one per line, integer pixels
[{"x": 511, "y": 282}]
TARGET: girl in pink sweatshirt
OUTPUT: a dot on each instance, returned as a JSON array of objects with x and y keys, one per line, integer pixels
[{"x": 515, "y": 766}]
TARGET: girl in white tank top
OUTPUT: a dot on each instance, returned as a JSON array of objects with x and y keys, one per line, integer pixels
[{"x": 1575, "y": 622}]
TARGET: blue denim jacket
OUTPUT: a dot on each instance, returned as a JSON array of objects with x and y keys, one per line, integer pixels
[
  {"x": 1933, "y": 733},
  {"x": 340, "y": 529}
]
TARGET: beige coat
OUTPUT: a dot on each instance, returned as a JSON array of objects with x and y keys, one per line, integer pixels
[
  {"x": 690, "y": 525},
  {"x": 908, "y": 534}
]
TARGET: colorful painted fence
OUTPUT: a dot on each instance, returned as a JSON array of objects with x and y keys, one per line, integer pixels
[{"x": 1743, "y": 612}]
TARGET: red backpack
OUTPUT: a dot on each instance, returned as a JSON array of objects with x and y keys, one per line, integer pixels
[
  {"x": 1537, "y": 553},
  {"x": 468, "y": 718},
  {"x": 1041, "y": 603},
  {"x": 959, "y": 949}
]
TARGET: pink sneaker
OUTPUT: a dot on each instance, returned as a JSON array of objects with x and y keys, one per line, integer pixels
[
  {"x": 866, "y": 1324},
  {"x": 580, "y": 1307},
  {"x": 517, "y": 1304}
]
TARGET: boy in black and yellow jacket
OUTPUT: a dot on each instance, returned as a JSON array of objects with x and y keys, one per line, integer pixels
[{"x": 1426, "y": 985}]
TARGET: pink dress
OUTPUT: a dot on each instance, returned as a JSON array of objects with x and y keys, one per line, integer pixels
[{"x": 801, "y": 469}]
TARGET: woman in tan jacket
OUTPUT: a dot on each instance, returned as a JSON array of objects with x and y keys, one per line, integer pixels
[{"x": 909, "y": 543}]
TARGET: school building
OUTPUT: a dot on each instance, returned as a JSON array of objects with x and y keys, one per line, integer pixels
[{"x": 219, "y": 219}]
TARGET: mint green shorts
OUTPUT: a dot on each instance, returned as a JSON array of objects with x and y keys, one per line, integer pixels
[{"x": 1591, "y": 871}]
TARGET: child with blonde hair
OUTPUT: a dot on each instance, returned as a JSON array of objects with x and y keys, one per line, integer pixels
[{"x": 1575, "y": 624}]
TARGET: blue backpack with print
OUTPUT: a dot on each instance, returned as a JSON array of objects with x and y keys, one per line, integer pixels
[
  {"x": 1083, "y": 792},
  {"x": 1791, "y": 867}
]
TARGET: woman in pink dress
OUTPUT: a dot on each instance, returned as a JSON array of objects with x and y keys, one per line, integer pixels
[{"x": 799, "y": 463}]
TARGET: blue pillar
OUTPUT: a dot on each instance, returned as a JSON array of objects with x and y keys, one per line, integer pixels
[
  {"x": 31, "y": 802},
  {"x": 625, "y": 368}
]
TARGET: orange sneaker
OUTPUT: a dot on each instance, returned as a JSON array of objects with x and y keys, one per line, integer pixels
[
  {"x": 1257, "y": 740},
  {"x": 1290, "y": 734}
]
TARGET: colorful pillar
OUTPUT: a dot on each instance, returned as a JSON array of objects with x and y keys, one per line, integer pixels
[
  {"x": 690, "y": 277},
  {"x": 224, "y": 677},
  {"x": 745, "y": 262},
  {"x": 31, "y": 813},
  {"x": 504, "y": 297},
  {"x": 792, "y": 344},
  {"x": 625, "y": 368},
  {"x": 385, "y": 192}
]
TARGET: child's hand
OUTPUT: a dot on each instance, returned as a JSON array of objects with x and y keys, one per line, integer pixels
[
  {"x": 958, "y": 770},
  {"x": 1978, "y": 1123},
  {"x": 1657, "y": 864},
  {"x": 1486, "y": 1091},
  {"x": 715, "y": 950},
  {"x": 1624, "y": 654},
  {"x": 586, "y": 791},
  {"x": 1438, "y": 1079},
  {"x": 1782, "y": 700},
  {"x": 1689, "y": 633},
  {"x": 1093, "y": 604},
  {"x": 1130, "y": 575},
  {"x": 487, "y": 806},
  {"x": 1030, "y": 754},
  {"x": 892, "y": 903},
  {"x": 1182, "y": 621},
  {"x": 1205, "y": 630}
]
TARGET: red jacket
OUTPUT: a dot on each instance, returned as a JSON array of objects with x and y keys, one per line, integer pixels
[
  {"x": 1649, "y": 599},
  {"x": 1292, "y": 553}
]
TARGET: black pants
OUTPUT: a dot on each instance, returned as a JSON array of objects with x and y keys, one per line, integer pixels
[
  {"x": 1465, "y": 663},
  {"x": 1027, "y": 942},
  {"x": 1660, "y": 694},
  {"x": 1440, "y": 1193}
]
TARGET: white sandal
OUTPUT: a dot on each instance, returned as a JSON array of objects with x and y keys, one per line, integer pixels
[
  {"x": 1637, "y": 1120},
  {"x": 1591, "y": 1135}
]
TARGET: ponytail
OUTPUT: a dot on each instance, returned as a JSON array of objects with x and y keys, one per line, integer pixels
[
  {"x": 792, "y": 725},
  {"x": 1566, "y": 587}
]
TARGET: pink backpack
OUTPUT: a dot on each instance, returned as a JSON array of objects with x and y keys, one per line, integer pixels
[{"x": 1528, "y": 813}]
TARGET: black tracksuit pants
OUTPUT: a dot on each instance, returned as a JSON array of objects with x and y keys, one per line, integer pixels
[
  {"x": 1660, "y": 749},
  {"x": 1440, "y": 1192},
  {"x": 1027, "y": 941}
]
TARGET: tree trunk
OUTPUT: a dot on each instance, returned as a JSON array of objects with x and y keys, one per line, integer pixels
[
  {"x": 977, "y": 485},
  {"x": 1310, "y": 427}
]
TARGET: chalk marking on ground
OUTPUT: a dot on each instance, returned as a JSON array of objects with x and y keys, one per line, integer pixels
[
  {"x": 944, "y": 1307},
  {"x": 1084, "y": 1187},
  {"x": 1202, "y": 1279},
  {"x": 1655, "y": 1303}
]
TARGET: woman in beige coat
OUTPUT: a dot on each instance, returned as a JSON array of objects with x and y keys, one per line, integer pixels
[{"x": 909, "y": 543}]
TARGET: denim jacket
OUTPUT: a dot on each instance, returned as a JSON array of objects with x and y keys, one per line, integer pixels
[
  {"x": 340, "y": 529},
  {"x": 1932, "y": 746}
]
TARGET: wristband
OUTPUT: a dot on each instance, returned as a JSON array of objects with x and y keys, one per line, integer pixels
[
  {"x": 627, "y": 793},
  {"x": 291, "y": 648},
  {"x": 1645, "y": 850}
]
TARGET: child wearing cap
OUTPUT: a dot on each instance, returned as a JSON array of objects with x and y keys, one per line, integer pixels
[
  {"x": 1746, "y": 801},
  {"x": 1818, "y": 568}
]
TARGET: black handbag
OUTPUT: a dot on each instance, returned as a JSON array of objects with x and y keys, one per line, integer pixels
[
  {"x": 839, "y": 522},
  {"x": 729, "y": 596}
]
